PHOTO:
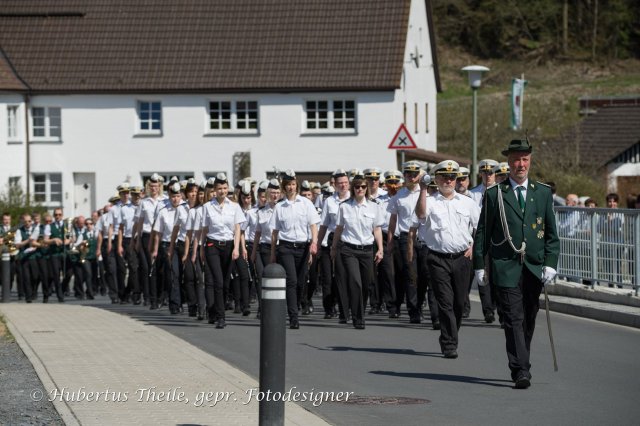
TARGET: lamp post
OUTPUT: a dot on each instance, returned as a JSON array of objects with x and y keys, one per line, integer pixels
[{"x": 475, "y": 79}]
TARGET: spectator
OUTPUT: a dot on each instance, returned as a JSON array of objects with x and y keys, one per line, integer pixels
[
  {"x": 557, "y": 200},
  {"x": 610, "y": 228},
  {"x": 591, "y": 203},
  {"x": 631, "y": 200}
]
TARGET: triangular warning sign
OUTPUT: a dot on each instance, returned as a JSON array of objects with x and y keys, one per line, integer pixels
[{"x": 402, "y": 139}]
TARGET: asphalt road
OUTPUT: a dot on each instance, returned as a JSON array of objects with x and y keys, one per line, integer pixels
[{"x": 400, "y": 366}]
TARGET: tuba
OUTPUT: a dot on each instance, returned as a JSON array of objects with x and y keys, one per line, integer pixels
[{"x": 83, "y": 248}]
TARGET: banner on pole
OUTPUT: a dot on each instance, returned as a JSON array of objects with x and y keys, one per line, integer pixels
[{"x": 517, "y": 98}]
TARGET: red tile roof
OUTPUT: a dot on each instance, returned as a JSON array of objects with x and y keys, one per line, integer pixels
[
  {"x": 8, "y": 78},
  {"x": 205, "y": 45}
]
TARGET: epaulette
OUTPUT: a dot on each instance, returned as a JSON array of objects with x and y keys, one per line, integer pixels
[
  {"x": 260, "y": 208},
  {"x": 495, "y": 184},
  {"x": 543, "y": 184}
]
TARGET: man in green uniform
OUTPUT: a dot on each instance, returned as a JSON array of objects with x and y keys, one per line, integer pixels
[{"x": 517, "y": 229}]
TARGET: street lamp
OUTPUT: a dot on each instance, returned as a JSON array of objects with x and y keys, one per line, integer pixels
[{"x": 475, "y": 79}]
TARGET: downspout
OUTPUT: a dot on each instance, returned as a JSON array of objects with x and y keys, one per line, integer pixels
[{"x": 27, "y": 99}]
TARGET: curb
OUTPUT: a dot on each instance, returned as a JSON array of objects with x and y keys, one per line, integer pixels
[{"x": 62, "y": 408}]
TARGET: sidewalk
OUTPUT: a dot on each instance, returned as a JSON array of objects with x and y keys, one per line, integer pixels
[{"x": 80, "y": 350}]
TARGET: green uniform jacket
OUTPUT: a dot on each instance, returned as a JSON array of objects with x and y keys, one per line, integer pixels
[{"x": 537, "y": 226}]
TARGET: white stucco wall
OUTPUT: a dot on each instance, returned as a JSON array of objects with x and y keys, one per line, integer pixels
[{"x": 99, "y": 131}]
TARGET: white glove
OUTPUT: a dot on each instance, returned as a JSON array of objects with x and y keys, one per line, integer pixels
[
  {"x": 479, "y": 277},
  {"x": 548, "y": 274}
]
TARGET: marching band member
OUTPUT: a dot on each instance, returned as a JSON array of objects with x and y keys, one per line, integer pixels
[
  {"x": 357, "y": 228},
  {"x": 220, "y": 236},
  {"x": 294, "y": 239}
]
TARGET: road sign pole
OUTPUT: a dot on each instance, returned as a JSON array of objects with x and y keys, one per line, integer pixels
[
  {"x": 401, "y": 158},
  {"x": 272, "y": 344}
]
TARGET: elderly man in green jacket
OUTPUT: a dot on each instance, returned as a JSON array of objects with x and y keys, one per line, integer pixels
[{"x": 517, "y": 229}]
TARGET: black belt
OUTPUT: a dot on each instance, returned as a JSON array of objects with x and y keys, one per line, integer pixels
[
  {"x": 293, "y": 244},
  {"x": 165, "y": 243},
  {"x": 220, "y": 243},
  {"x": 359, "y": 247},
  {"x": 265, "y": 245},
  {"x": 447, "y": 255},
  {"x": 180, "y": 243}
]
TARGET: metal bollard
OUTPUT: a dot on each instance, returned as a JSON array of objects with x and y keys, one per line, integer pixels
[
  {"x": 6, "y": 277},
  {"x": 272, "y": 344}
]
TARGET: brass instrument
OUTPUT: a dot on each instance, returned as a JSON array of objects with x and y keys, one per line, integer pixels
[
  {"x": 70, "y": 235},
  {"x": 9, "y": 243},
  {"x": 83, "y": 248}
]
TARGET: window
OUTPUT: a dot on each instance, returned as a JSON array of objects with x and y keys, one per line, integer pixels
[
  {"x": 233, "y": 117},
  {"x": 330, "y": 116},
  {"x": 47, "y": 189},
  {"x": 12, "y": 122},
  {"x": 149, "y": 117},
  {"x": 45, "y": 123}
]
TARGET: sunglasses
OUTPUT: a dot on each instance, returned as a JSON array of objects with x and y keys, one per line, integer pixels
[{"x": 360, "y": 187}]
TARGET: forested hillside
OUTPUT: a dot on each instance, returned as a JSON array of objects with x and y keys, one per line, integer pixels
[{"x": 566, "y": 49}]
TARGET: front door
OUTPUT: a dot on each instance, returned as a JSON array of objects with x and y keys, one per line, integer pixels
[{"x": 84, "y": 194}]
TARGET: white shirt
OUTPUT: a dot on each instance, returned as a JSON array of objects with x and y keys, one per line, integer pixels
[
  {"x": 195, "y": 219},
  {"x": 330, "y": 209},
  {"x": 263, "y": 226},
  {"x": 250, "y": 224},
  {"x": 293, "y": 218},
  {"x": 164, "y": 223},
  {"x": 221, "y": 220},
  {"x": 127, "y": 213},
  {"x": 149, "y": 208},
  {"x": 403, "y": 204},
  {"x": 524, "y": 186},
  {"x": 18, "y": 238},
  {"x": 115, "y": 216},
  {"x": 104, "y": 223},
  {"x": 181, "y": 220},
  {"x": 449, "y": 224},
  {"x": 359, "y": 221}
]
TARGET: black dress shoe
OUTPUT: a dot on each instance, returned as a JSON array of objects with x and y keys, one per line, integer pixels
[
  {"x": 358, "y": 325},
  {"x": 328, "y": 316},
  {"x": 342, "y": 321},
  {"x": 45, "y": 300},
  {"x": 294, "y": 324},
  {"x": 489, "y": 318},
  {"x": 60, "y": 299},
  {"x": 452, "y": 354},
  {"x": 221, "y": 323},
  {"x": 237, "y": 310},
  {"x": 306, "y": 311},
  {"x": 246, "y": 312},
  {"x": 436, "y": 325},
  {"x": 394, "y": 315},
  {"x": 415, "y": 320},
  {"x": 523, "y": 381},
  {"x": 153, "y": 306}
]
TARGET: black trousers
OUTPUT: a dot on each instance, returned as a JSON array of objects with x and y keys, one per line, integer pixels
[
  {"x": 358, "y": 267},
  {"x": 256, "y": 269},
  {"x": 29, "y": 271},
  {"x": 294, "y": 260},
  {"x": 43, "y": 277},
  {"x": 175, "y": 276},
  {"x": 82, "y": 275},
  {"x": 386, "y": 278},
  {"x": 162, "y": 276},
  {"x": 240, "y": 283},
  {"x": 133, "y": 281},
  {"x": 450, "y": 279},
  {"x": 109, "y": 261},
  {"x": 329, "y": 287},
  {"x": 425, "y": 286},
  {"x": 147, "y": 279},
  {"x": 192, "y": 281},
  {"x": 121, "y": 272},
  {"x": 519, "y": 306},
  {"x": 218, "y": 257},
  {"x": 311, "y": 283},
  {"x": 55, "y": 266},
  {"x": 408, "y": 273}
]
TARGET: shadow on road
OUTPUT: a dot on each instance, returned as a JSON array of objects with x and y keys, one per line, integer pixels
[
  {"x": 447, "y": 378},
  {"x": 392, "y": 351}
]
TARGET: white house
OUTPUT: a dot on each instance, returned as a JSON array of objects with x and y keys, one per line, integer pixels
[{"x": 93, "y": 94}]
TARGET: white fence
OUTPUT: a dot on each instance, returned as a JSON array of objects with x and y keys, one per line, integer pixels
[{"x": 599, "y": 246}]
